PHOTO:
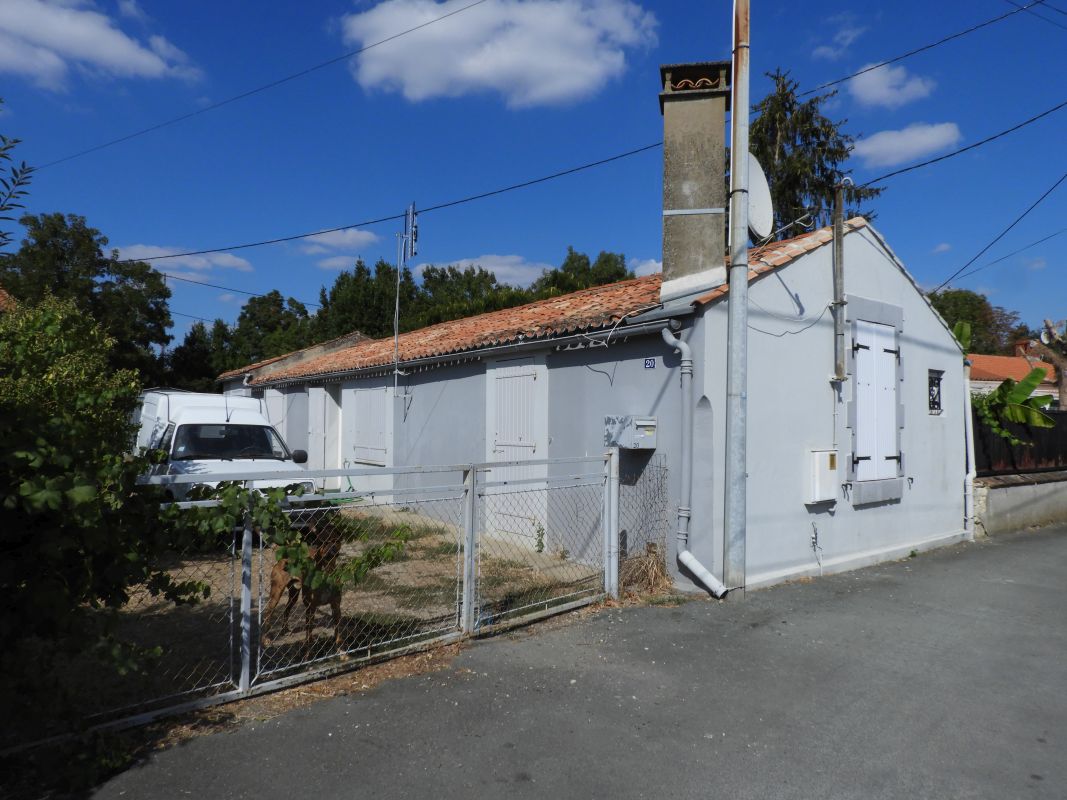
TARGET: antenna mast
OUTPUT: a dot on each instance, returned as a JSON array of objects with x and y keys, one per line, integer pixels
[{"x": 407, "y": 247}]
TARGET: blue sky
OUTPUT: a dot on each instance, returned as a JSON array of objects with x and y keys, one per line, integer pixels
[{"x": 504, "y": 92}]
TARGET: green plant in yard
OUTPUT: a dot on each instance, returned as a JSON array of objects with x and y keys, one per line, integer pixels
[
  {"x": 1014, "y": 401},
  {"x": 540, "y": 542},
  {"x": 76, "y": 530}
]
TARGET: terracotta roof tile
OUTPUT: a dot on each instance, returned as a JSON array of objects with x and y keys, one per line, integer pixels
[
  {"x": 581, "y": 311},
  {"x": 997, "y": 368},
  {"x": 233, "y": 373}
]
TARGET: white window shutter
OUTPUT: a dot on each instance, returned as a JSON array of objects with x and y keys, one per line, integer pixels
[
  {"x": 886, "y": 392},
  {"x": 866, "y": 450}
]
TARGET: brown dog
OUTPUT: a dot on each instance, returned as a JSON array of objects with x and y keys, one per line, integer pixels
[{"x": 281, "y": 581}]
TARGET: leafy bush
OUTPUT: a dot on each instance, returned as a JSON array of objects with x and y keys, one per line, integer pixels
[
  {"x": 76, "y": 532},
  {"x": 1011, "y": 401}
]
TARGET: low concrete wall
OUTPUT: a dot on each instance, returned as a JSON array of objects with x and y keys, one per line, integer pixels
[{"x": 1012, "y": 502}]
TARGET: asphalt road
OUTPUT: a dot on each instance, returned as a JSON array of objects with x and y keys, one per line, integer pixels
[{"x": 944, "y": 676}]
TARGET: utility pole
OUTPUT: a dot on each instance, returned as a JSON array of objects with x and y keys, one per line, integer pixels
[{"x": 736, "y": 511}]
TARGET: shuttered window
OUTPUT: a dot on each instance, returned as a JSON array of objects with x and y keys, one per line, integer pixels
[{"x": 877, "y": 453}]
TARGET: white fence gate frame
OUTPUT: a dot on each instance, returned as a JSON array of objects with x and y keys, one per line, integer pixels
[{"x": 477, "y": 612}]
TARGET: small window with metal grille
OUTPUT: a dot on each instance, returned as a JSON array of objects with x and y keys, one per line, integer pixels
[{"x": 935, "y": 390}]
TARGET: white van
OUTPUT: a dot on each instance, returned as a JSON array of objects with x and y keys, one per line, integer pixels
[{"x": 212, "y": 433}]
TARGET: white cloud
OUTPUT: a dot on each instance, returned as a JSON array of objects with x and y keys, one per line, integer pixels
[
  {"x": 889, "y": 87},
  {"x": 337, "y": 262},
  {"x": 130, "y": 9},
  {"x": 511, "y": 269},
  {"x": 1036, "y": 263},
  {"x": 888, "y": 148},
  {"x": 338, "y": 240},
  {"x": 842, "y": 40},
  {"x": 43, "y": 39},
  {"x": 645, "y": 266},
  {"x": 227, "y": 297},
  {"x": 944, "y": 247},
  {"x": 531, "y": 52},
  {"x": 198, "y": 263}
]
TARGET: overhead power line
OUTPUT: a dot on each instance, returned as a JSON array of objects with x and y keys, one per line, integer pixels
[
  {"x": 256, "y": 90},
  {"x": 1042, "y": 240},
  {"x": 1042, "y": 16},
  {"x": 923, "y": 49},
  {"x": 438, "y": 207},
  {"x": 171, "y": 276},
  {"x": 1002, "y": 234},
  {"x": 987, "y": 140},
  {"x": 190, "y": 316}
]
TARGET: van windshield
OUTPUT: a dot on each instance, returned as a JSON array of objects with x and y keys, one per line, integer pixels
[{"x": 228, "y": 442}]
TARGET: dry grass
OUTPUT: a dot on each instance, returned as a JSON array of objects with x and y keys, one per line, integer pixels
[{"x": 646, "y": 573}]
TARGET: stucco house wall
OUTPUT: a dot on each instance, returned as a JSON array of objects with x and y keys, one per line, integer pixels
[{"x": 794, "y": 408}]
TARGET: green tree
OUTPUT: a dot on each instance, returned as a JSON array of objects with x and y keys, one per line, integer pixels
[
  {"x": 62, "y": 256},
  {"x": 577, "y": 272},
  {"x": 75, "y": 530},
  {"x": 994, "y": 330},
  {"x": 189, "y": 365},
  {"x": 363, "y": 300},
  {"x": 14, "y": 178},
  {"x": 803, "y": 153},
  {"x": 449, "y": 293},
  {"x": 268, "y": 326}
]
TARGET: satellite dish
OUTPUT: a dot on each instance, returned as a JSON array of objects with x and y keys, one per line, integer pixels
[
  {"x": 760, "y": 211},
  {"x": 1045, "y": 338}
]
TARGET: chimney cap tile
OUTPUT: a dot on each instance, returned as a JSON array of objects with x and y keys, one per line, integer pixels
[{"x": 695, "y": 79}]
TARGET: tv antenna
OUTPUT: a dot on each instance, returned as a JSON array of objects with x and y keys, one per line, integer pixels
[{"x": 407, "y": 247}]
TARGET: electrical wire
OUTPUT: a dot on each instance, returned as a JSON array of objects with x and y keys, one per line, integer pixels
[
  {"x": 1041, "y": 16},
  {"x": 189, "y": 316},
  {"x": 438, "y": 207},
  {"x": 987, "y": 140},
  {"x": 781, "y": 334},
  {"x": 1044, "y": 239},
  {"x": 228, "y": 288},
  {"x": 256, "y": 90},
  {"x": 922, "y": 49},
  {"x": 1002, "y": 234}
]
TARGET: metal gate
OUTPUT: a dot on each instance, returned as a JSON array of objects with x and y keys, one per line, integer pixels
[{"x": 458, "y": 574}]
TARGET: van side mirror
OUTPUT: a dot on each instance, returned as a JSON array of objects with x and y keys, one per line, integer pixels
[{"x": 300, "y": 456}]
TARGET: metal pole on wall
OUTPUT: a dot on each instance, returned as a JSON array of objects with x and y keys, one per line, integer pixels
[
  {"x": 246, "y": 606},
  {"x": 468, "y": 609},
  {"x": 737, "y": 322}
]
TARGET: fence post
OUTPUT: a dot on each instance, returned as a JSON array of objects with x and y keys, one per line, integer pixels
[
  {"x": 613, "y": 517},
  {"x": 468, "y": 621},
  {"x": 246, "y": 606}
]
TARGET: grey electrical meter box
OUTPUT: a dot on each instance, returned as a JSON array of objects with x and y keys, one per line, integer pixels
[{"x": 630, "y": 432}]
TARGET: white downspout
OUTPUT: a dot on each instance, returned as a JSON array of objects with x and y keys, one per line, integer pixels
[
  {"x": 968, "y": 482},
  {"x": 687, "y": 559}
]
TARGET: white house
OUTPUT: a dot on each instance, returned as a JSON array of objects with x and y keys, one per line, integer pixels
[{"x": 840, "y": 473}]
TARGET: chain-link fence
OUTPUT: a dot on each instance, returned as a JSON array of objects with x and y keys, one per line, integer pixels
[
  {"x": 408, "y": 598},
  {"x": 644, "y": 521},
  {"x": 396, "y": 559}
]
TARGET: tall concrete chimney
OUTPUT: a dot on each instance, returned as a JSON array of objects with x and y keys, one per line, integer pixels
[{"x": 693, "y": 103}]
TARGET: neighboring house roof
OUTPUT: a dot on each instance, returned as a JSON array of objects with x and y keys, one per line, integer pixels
[
  {"x": 997, "y": 368},
  {"x": 7, "y": 302},
  {"x": 236, "y": 373},
  {"x": 298, "y": 356},
  {"x": 578, "y": 312}
]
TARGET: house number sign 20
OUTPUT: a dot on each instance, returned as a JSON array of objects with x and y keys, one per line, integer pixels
[{"x": 650, "y": 363}]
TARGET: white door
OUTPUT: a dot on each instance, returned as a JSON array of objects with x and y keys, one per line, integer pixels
[
  {"x": 367, "y": 415},
  {"x": 323, "y": 442},
  {"x": 517, "y": 430},
  {"x": 876, "y": 453}
]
